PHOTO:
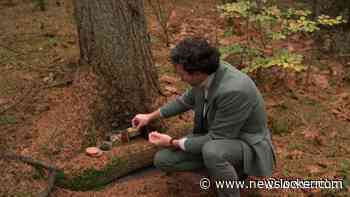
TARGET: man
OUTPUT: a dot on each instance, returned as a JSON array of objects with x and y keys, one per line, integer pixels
[{"x": 230, "y": 136}]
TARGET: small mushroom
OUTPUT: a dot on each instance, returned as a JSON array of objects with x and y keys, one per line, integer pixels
[{"x": 93, "y": 152}]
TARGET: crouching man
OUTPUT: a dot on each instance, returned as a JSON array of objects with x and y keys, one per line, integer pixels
[{"x": 230, "y": 137}]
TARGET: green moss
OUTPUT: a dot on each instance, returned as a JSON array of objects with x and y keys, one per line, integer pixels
[
  {"x": 39, "y": 173},
  {"x": 280, "y": 125},
  {"x": 296, "y": 146},
  {"x": 92, "y": 179},
  {"x": 7, "y": 119}
]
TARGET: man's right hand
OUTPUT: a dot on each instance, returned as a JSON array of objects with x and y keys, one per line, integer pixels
[{"x": 141, "y": 120}]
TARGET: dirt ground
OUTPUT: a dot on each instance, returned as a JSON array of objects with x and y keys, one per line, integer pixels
[{"x": 39, "y": 108}]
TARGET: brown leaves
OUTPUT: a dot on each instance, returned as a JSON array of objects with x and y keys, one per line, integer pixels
[
  {"x": 170, "y": 88},
  {"x": 3, "y": 101},
  {"x": 313, "y": 169},
  {"x": 173, "y": 19},
  {"x": 313, "y": 134},
  {"x": 321, "y": 81},
  {"x": 310, "y": 134},
  {"x": 168, "y": 79},
  {"x": 295, "y": 154},
  {"x": 341, "y": 108}
]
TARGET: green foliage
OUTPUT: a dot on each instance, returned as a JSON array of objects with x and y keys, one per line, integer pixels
[
  {"x": 273, "y": 24},
  {"x": 52, "y": 41},
  {"x": 154, "y": 39},
  {"x": 231, "y": 49},
  {"x": 229, "y": 32},
  {"x": 277, "y": 36},
  {"x": 301, "y": 24},
  {"x": 39, "y": 173},
  {"x": 41, "y": 4},
  {"x": 283, "y": 59},
  {"x": 327, "y": 20},
  {"x": 280, "y": 126},
  {"x": 238, "y": 9},
  {"x": 7, "y": 119}
]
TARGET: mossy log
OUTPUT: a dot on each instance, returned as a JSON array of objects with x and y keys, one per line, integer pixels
[{"x": 120, "y": 161}]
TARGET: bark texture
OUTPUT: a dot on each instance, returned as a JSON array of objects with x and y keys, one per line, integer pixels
[
  {"x": 113, "y": 40},
  {"x": 112, "y": 165}
]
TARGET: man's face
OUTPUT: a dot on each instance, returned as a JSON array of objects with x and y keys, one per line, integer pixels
[{"x": 194, "y": 79}]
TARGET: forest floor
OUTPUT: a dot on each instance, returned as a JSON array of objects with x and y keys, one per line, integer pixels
[{"x": 39, "y": 52}]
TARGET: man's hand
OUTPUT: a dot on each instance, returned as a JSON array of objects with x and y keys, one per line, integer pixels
[
  {"x": 159, "y": 139},
  {"x": 141, "y": 120}
]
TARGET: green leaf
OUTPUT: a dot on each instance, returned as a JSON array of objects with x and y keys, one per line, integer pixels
[
  {"x": 7, "y": 119},
  {"x": 231, "y": 49}
]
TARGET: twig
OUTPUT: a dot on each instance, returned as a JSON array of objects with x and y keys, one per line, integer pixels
[
  {"x": 51, "y": 184},
  {"x": 60, "y": 83},
  {"x": 162, "y": 20},
  {"x": 36, "y": 163},
  {"x": 28, "y": 160}
]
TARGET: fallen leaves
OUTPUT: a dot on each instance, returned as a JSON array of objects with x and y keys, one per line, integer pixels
[
  {"x": 314, "y": 135},
  {"x": 171, "y": 89},
  {"x": 341, "y": 107},
  {"x": 321, "y": 81},
  {"x": 168, "y": 79},
  {"x": 310, "y": 134},
  {"x": 295, "y": 154},
  {"x": 313, "y": 169},
  {"x": 3, "y": 101}
]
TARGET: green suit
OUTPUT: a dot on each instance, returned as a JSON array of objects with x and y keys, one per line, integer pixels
[{"x": 235, "y": 111}]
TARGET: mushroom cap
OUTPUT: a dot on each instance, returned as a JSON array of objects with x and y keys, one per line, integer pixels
[{"x": 93, "y": 151}]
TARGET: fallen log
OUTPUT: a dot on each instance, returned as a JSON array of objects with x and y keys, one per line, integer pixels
[{"x": 116, "y": 163}]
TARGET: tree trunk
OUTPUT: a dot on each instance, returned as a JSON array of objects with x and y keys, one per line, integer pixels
[{"x": 113, "y": 41}]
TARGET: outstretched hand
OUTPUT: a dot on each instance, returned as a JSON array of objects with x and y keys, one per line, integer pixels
[
  {"x": 140, "y": 120},
  {"x": 159, "y": 139}
]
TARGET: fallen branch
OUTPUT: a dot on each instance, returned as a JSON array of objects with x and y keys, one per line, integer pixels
[
  {"x": 124, "y": 159},
  {"x": 28, "y": 160},
  {"x": 36, "y": 163},
  {"x": 51, "y": 184},
  {"x": 60, "y": 83}
]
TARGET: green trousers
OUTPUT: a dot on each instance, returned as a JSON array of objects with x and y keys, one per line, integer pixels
[{"x": 222, "y": 158}]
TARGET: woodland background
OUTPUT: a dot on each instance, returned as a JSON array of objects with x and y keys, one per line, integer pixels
[{"x": 298, "y": 53}]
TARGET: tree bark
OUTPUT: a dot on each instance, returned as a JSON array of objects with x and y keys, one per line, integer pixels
[
  {"x": 123, "y": 160},
  {"x": 113, "y": 41}
]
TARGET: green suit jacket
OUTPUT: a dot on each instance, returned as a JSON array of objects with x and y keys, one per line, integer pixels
[{"x": 235, "y": 110}]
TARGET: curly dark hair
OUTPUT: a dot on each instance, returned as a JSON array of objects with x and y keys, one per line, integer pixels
[{"x": 196, "y": 54}]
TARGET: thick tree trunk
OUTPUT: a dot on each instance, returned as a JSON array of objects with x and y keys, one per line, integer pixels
[{"x": 113, "y": 40}]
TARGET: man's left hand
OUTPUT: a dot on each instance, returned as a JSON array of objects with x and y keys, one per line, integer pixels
[{"x": 159, "y": 139}]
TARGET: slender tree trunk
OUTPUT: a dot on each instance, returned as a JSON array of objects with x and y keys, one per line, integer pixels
[{"x": 113, "y": 41}]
